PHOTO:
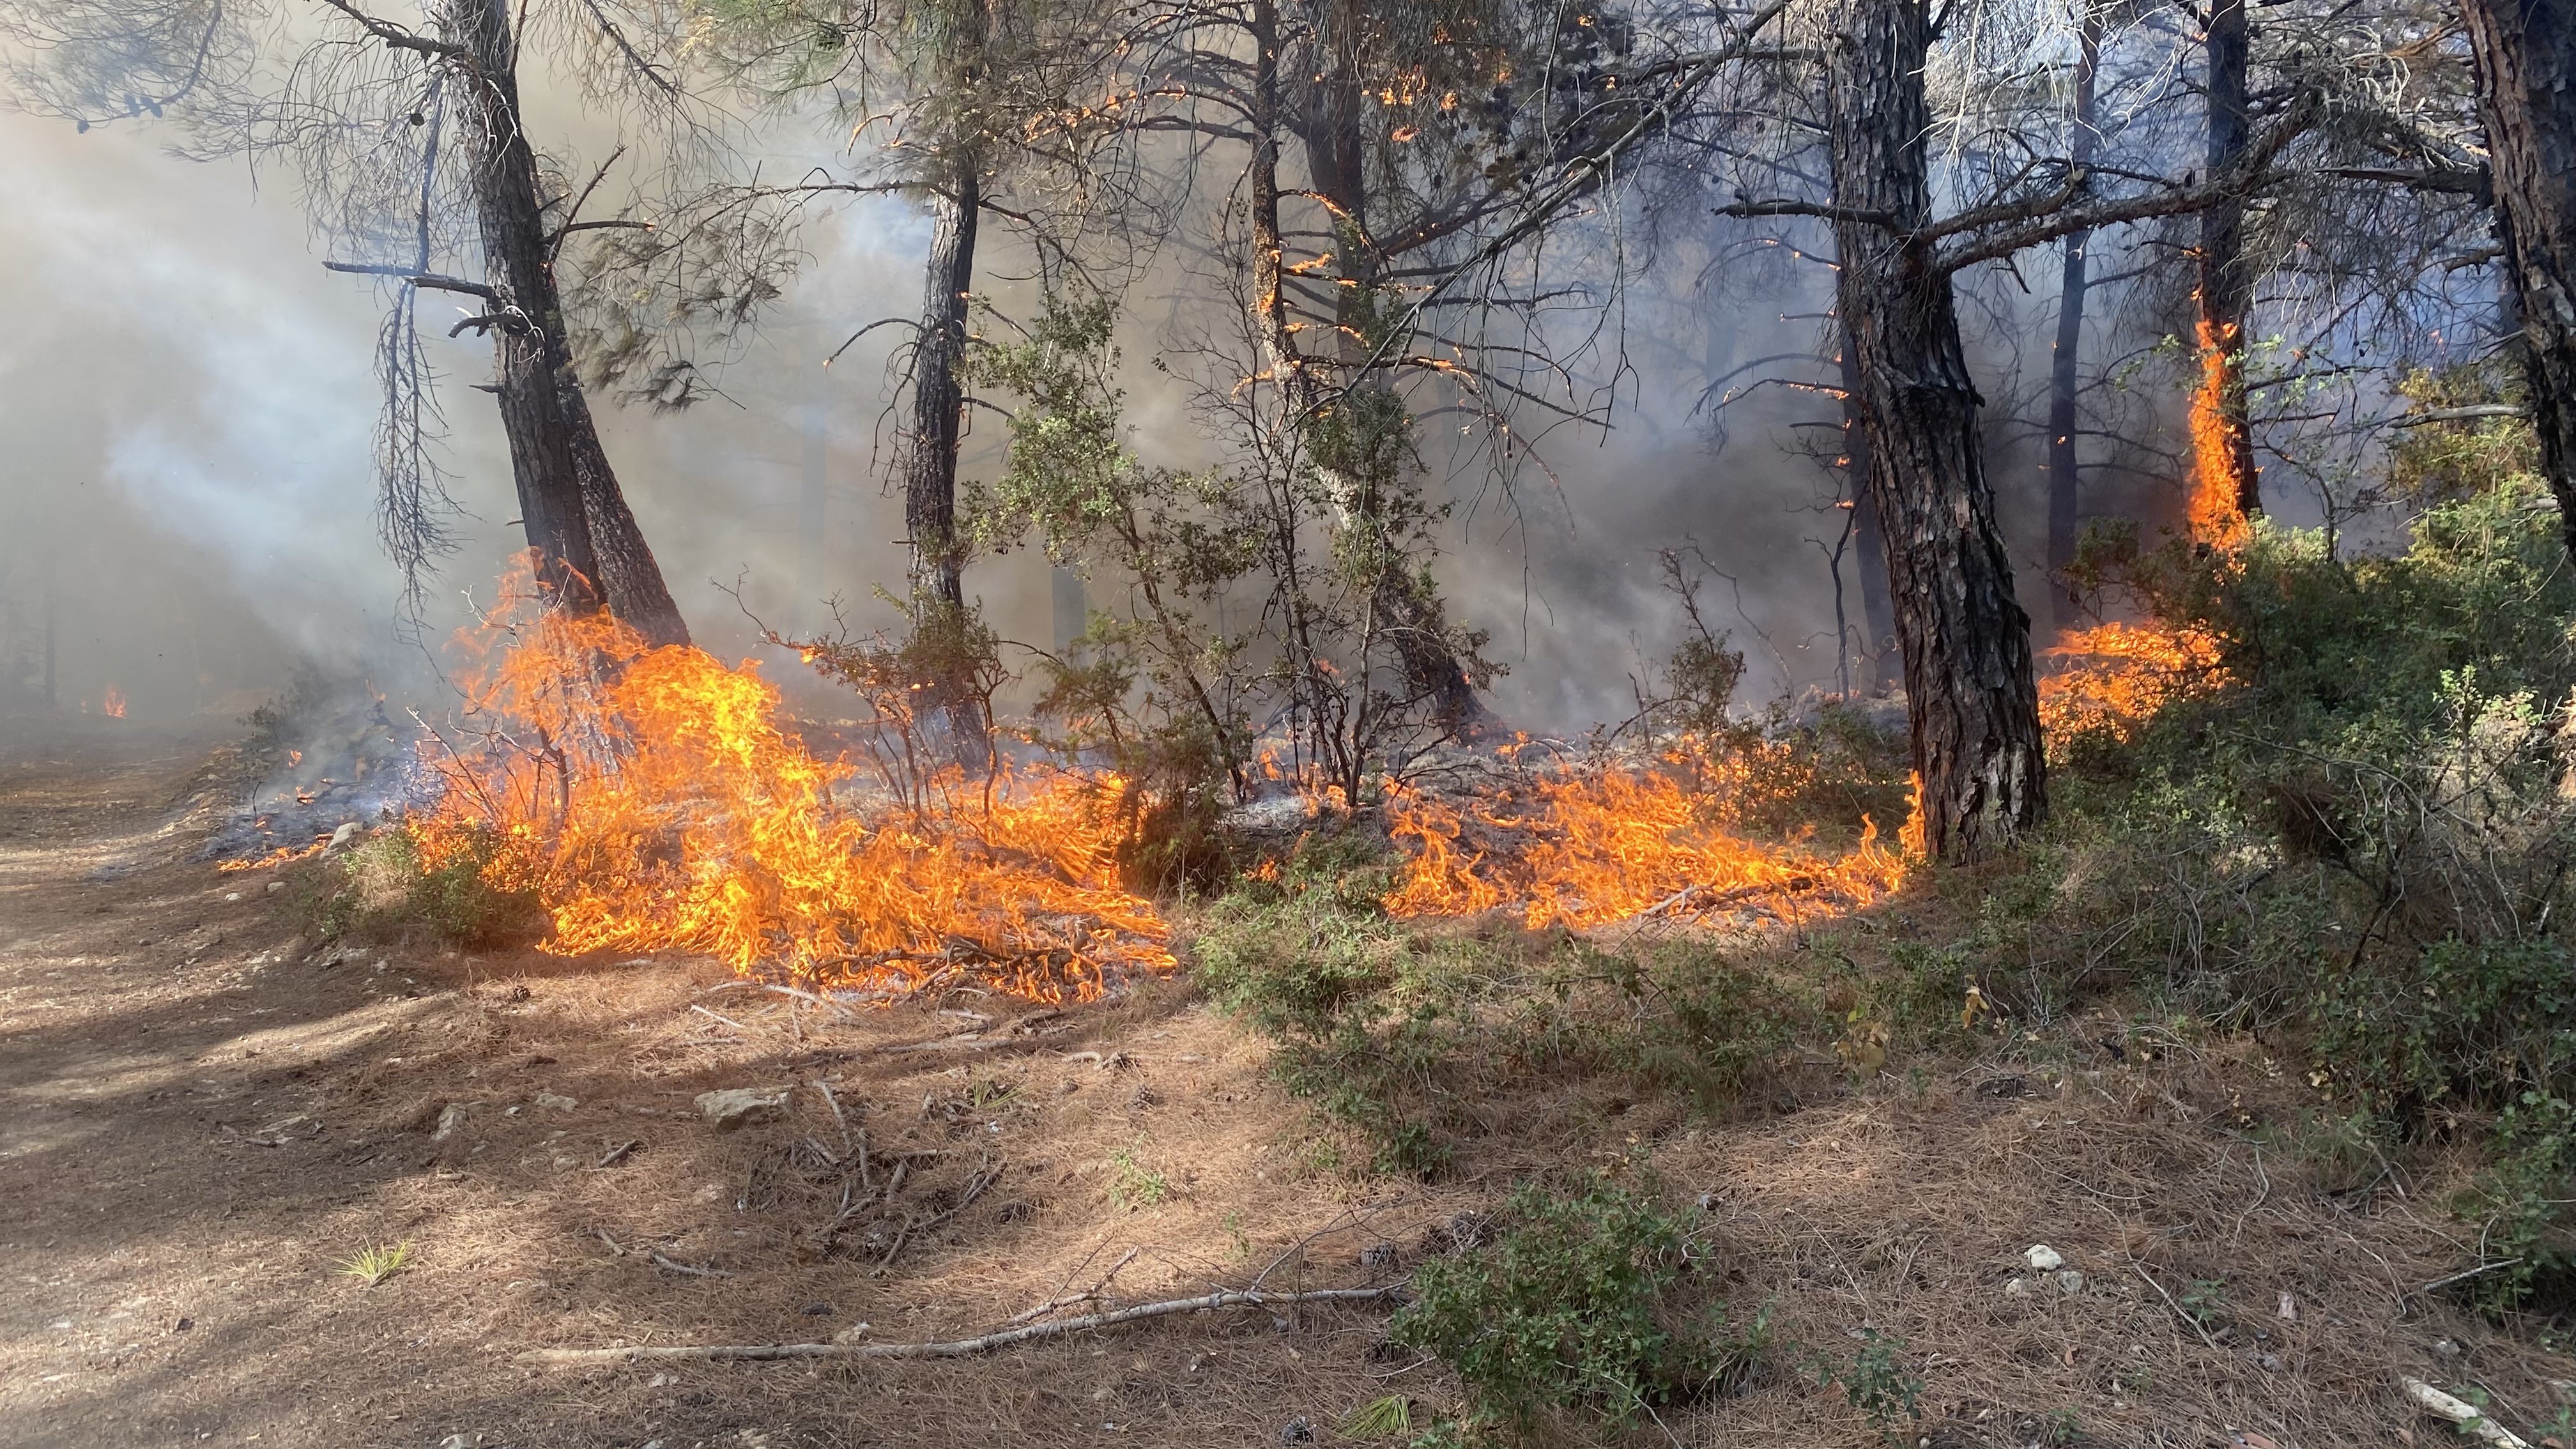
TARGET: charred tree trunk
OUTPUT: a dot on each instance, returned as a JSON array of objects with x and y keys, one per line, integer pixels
[
  {"x": 1869, "y": 536},
  {"x": 588, "y": 548},
  {"x": 938, "y": 426},
  {"x": 2224, "y": 432},
  {"x": 2065, "y": 486},
  {"x": 1972, "y": 702},
  {"x": 2526, "y": 62}
]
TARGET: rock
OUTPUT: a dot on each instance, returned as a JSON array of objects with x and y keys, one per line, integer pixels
[
  {"x": 852, "y": 1334},
  {"x": 1297, "y": 1431},
  {"x": 818, "y": 1310},
  {"x": 2017, "y": 1288},
  {"x": 2043, "y": 1258},
  {"x": 349, "y": 831},
  {"x": 275, "y": 886},
  {"x": 450, "y": 1117},
  {"x": 556, "y": 1102},
  {"x": 2069, "y": 1281},
  {"x": 476, "y": 1440},
  {"x": 740, "y": 1106},
  {"x": 232, "y": 895}
]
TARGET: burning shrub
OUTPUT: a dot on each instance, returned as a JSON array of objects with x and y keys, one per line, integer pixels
[
  {"x": 1574, "y": 844},
  {"x": 651, "y": 801}
]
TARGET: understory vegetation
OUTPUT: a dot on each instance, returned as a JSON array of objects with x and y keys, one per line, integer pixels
[{"x": 2350, "y": 835}]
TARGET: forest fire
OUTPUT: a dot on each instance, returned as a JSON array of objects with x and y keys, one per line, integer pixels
[
  {"x": 2110, "y": 679},
  {"x": 1584, "y": 848},
  {"x": 650, "y": 800},
  {"x": 2213, "y": 513},
  {"x": 113, "y": 704}
]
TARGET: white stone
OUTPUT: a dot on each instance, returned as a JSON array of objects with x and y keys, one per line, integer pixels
[
  {"x": 2043, "y": 1258},
  {"x": 556, "y": 1102},
  {"x": 736, "y": 1106}
]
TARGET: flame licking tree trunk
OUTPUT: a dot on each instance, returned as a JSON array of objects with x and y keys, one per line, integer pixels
[
  {"x": 2526, "y": 63},
  {"x": 574, "y": 513},
  {"x": 2224, "y": 432},
  {"x": 2065, "y": 486},
  {"x": 1972, "y": 699}
]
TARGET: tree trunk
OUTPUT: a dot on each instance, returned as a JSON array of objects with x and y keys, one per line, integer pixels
[
  {"x": 589, "y": 550},
  {"x": 2065, "y": 486},
  {"x": 1972, "y": 702},
  {"x": 1336, "y": 154},
  {"x": 628, "y": 573},
  {"x": 938, "y": 425},
  {"x": 2526, "y": 62},
  {"x": 2222, "y": 429},
  {"x": 1869, "y": 536}
]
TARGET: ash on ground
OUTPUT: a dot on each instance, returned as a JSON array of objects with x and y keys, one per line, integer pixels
[{"x": 335, "y": 755}]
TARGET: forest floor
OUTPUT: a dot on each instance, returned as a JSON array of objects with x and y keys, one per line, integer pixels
[{"x": 203, "y": 1114}]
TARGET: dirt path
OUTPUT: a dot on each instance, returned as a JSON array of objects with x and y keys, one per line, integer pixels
[{"x": 200, "y": 1116}]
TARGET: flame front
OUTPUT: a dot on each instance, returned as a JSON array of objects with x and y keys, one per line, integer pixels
[
  {"x": 2213, "y": 513},
  {"x": 650, "y": 800},
  {"x": 1579, "y": 848},
  {"x": 2109, "y": 679},
  {"x": 114, "y": 703}
]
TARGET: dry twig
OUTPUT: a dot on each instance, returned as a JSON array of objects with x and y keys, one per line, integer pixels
[{"x": 952, "y": 1348}]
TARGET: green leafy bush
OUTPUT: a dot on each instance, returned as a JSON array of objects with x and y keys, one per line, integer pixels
[{"x": 1582, "y": 1300}]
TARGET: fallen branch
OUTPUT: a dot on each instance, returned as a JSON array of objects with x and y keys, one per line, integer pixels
[
  {"x": 2468, "y": 1416},
  {"x": 692, "y": 1270},
  {"x": 2170, "y": 1303},
  {"x": 845, "y": 1012},
  {"x": 953, "y": 1348}
]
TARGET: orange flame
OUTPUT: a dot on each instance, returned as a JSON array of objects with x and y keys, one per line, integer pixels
[
  {"x": 1585, "y": 849},
  {"x": 2111, "y": 678},
  {"x": 2213, "y": 515},
  {"x": 650, "y": 801},
  {"x": 114, "y": 703}
]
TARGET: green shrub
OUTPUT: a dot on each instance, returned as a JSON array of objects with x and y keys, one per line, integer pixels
[
  {"x": 380, "y": 887},
  {"x": 1393, "y": 1029},
  {"x": 1583, "y": 1300}
]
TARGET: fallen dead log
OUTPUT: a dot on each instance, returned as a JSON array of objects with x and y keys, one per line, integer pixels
[{"x": 953, "y": 1348}]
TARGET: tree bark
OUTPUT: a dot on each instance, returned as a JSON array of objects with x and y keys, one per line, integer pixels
[
  {"x": 2223, "y": 434},
  {"x": 1329, "y": 128},
  {"x": 1972, "y": 701},
  {"x": 1869, "y": 535},
  {"x": 2526, "y": 64},
  {"x": 589, "y": 551},
  {"x": 2065, "y": 486},
  {"x": 938, "y": 427}
]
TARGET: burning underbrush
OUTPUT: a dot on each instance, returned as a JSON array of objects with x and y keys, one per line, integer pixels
[
  {"x": 1565, "y": 840},
  {"x": 2109, "y": 680},
  {"x": 650, "y": 799}
]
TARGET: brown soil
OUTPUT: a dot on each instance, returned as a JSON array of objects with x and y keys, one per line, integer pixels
[{"x": 203, "y": 1114}]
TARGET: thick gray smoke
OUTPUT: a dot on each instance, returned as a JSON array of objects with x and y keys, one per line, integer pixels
[{"x": 189, "y": 406}]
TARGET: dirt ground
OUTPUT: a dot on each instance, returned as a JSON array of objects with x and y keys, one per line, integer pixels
[{"x": 204, "y": 1115}]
